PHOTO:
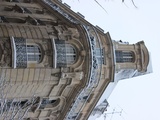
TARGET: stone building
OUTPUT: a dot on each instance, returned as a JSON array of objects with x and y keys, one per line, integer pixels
[{"x": 54, "y": 64}]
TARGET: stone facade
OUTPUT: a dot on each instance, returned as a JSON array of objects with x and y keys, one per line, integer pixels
[{"x": 54, "y": 64}]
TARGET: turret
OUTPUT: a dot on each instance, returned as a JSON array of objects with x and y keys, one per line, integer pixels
[{"x": 130, "y": 59}]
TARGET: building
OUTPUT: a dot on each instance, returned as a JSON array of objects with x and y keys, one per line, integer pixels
[
  {"x": 55, "y": 65},
  {"x": 99, "y": 110}
]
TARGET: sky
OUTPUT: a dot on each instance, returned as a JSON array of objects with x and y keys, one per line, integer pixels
[{"x": 138, "y": 97}]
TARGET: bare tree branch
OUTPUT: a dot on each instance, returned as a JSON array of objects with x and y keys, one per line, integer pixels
[
  {"x": 101, "y": 6},
  {"x": 15, "y": 108},
  {"x": 132, "y": 3}
]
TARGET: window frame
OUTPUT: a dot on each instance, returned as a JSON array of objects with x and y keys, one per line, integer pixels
[
  {"x": 33, "y": 53},
  {"x": 20, "y": 54},
  {"x": 124, "y": 56},
  {"x": 70, "y": 54},
  {"x": 99, "y": 52},
  {"x": 66, "y": 54}
]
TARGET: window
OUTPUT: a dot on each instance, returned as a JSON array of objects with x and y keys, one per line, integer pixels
[
  {"x": 50, "y": 104},
  {"x": 99, "y": 55},
  {"x": 46, "y": 102},
  {"x": 66, "y": 54},
  {"x": 14, "y": 104},
  {"x": 3, "y": 19},
  {"x": 24, "y": 53},
  {"x": 33, "y": 53},
  {"x": 70, "y": 54},
  {"x": 124, "y": 56}
]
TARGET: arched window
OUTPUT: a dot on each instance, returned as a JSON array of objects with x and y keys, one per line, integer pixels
[
  {"x": 33, "y": 53},
  {"x": 70, "y": 54},
  {"x": 46, "y": 103},
  {"x": 124, "y": 56},
  {"x": 66, "y": 54},
  {"x": 24, "y": 53}
]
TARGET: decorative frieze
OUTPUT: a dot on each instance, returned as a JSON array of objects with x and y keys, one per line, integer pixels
[{"x": 5, "y": 52}]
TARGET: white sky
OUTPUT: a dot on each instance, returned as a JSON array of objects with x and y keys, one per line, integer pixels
[{"x": 139, "y": 97}]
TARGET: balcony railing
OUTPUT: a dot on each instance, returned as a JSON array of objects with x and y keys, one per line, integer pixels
[
  {"x": 19, "y": 52},
  {"x": 95, "y": 74}
]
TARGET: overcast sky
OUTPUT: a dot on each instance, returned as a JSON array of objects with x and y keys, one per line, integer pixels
[{"x": 139, "y": 97}]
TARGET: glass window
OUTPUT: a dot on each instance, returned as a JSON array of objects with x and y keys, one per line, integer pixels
[
  {"x": 99, "y": 55},
  {"x": 66, "y": 54},
  {"x": 33, "y": 53},
  {"x": 24, "y": 53},
  {"x": 46, "y": 103},
  {"x": 70, "y": 54},
  {"x": 124, "y": 56}
]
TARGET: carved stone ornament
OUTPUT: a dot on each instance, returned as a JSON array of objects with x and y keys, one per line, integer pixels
[
  {"x": 5, "y": 53},
  {"x": 75, "y": 75}
]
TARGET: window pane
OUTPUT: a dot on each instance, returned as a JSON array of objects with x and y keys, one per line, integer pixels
[
  {"x": 66, "y": 54},
  {"x": 123, "y": 56},
  {"x": 32, "y": 49},
  {"x": 99, "y": 55},
  {"x": 98, "y": 52},
  {"x": 33, "y": 53}
]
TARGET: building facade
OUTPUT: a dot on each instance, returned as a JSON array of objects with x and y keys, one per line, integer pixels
[{"x": 54, "y": 64}]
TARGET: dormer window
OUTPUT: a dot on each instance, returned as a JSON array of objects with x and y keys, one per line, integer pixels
[{"x": 124, "y": 56}]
